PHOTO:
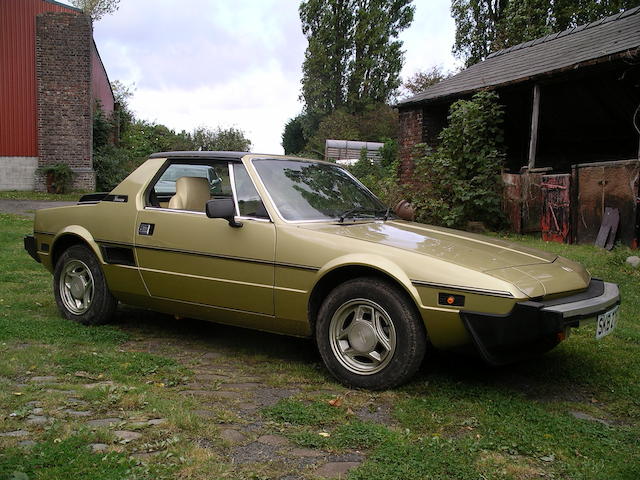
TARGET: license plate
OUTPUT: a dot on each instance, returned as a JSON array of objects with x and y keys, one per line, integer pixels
[{"x": 607, "y": 322}]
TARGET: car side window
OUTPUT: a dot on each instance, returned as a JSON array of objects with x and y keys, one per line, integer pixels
[
  {"x": 184, "y": 186},
  {"x": 249, "y": 201}
]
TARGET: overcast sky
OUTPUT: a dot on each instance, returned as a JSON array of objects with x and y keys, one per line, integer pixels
[{"x": 233, "y": 63}]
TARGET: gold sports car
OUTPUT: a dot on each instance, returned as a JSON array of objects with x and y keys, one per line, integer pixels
[{"x": 300, "y": 247}]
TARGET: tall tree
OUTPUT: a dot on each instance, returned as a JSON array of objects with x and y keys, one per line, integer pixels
[
  {"x": 229, "y": 139},
  {"x": 376, "y": 59},
  {"x": 485, "y": 26},
  {"x": 328, "y": 26},
  {"x": 96, "y": 9},
  {"x": 423, "y": 79},
  {"x": 354, "y": 56}
]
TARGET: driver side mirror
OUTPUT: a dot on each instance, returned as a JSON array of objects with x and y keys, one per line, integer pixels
[{"x": 223, "y": 208}]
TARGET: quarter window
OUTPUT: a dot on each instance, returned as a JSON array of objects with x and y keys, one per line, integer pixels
[{"x": 249, "y": 202}]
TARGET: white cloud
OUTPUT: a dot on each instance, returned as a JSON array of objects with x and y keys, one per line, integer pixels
[
  {"x": 429, "y": 39},
  {"x": 222, "y": 63}
]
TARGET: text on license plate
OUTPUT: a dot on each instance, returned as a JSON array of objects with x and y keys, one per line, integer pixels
[{"x": 607, "y": 322}]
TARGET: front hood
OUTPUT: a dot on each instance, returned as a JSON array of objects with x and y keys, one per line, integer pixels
[
  {"x": 469, "y": 250},
  {"x": 540, "y": 280}
]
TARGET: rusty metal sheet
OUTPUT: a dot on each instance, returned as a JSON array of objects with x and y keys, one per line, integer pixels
[
  {"x": 609, "y": 228},
  {"x": 512, "y": 200},
  {"x": 607, "y": 184},
  {"x": 555, "y": 219},
  {"x": 531, "y": 202}
]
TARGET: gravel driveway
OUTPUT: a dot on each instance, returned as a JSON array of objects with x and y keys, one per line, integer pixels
[{"x": 27, "y": 207}]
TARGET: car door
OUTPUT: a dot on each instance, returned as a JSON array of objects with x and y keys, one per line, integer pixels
[{"x": 185, "y": 256}]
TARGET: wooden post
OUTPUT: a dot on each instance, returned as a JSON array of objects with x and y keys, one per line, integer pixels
[{"x": 535, "y": 115}]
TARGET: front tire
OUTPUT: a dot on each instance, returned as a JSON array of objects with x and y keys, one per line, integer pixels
[
  {"x": 80, "y": 288},
  {"x": 369, "y": 334}
]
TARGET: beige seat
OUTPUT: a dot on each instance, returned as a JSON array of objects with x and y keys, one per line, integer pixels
[{"x": 192, "y": 193}]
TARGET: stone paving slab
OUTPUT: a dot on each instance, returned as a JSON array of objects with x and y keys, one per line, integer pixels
[
  {"x": 104, "y": 422},
  {"x": 37, "y": 420},
  {"x": 336, "y": 469},
  {"x": 232, "y": 436},
  {"x": 126, "y": 435},
  {"x": 273, "y": 440},
  {"x": 78, "y": 413},
  {"x": 15, "y": 433},
  {"x": 44, "y": 379}
]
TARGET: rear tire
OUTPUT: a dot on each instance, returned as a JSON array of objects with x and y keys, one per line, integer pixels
[
  {"x": 80, "y": 288},
  {"x": 370, "y": 335}
]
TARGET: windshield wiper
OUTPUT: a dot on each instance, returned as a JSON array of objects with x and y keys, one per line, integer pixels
[
  {"x": 353, "y": 211},
  {"x": 386, "y": 214}
]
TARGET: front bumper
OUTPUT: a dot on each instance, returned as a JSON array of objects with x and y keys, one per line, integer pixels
[
  {"x": 534, "y": 326},
  {"x": 31, "y": 247}
]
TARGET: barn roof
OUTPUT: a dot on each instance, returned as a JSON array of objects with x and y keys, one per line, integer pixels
[{"x": 579, "y": 46}]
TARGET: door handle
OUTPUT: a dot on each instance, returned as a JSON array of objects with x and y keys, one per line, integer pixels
[{"x": 146, "y": 229}]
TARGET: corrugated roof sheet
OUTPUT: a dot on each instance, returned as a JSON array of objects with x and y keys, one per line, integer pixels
[
  {"x": 353, "y": 144},
  {"x": 602, "y": 38}
]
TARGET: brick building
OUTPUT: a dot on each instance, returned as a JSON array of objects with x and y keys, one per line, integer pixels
[
  {"x": 51, "y": 77},
  {"x": 572, "y": 127}
]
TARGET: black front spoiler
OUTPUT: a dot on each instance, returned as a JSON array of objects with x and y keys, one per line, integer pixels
[
  {"x": 31, "y": 248},
  {"x": 536, "y": 326}
]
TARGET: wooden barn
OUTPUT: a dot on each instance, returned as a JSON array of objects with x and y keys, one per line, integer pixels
[{"x": 572, "y": 127}]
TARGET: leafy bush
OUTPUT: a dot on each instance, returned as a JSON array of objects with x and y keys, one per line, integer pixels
[
  {"x": 381, "y": 177},
  {"x": 374, "y": 124},
  {"x": 143, "y": 138},
  {"x": 112, "y": 165},
  {"x": 460, "y": 181},
  {"x": 293, "y": 138},
  {"x": 61, "y": 177},
  {"x": 139, "y": 138},
  {"x": 103, "y": 127}
]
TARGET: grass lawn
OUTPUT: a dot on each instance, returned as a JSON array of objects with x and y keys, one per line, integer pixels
[{"x": 573, "y": 413}]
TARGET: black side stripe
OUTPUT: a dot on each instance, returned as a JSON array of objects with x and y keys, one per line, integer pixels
[
  {"x": 213, "y": 255},
  {"x": 300, "y": 267},
  {"x": 478, "y": 291}
]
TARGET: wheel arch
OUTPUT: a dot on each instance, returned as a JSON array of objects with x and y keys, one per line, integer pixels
[
  {"x": 334, "y": 276},
  {"x": 70, "y": 236}
]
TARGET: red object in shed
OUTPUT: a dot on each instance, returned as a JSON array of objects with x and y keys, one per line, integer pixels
[{"x": 556, "y": 194}]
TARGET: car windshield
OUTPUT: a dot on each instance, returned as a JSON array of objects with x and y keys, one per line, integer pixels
[{"x": 304, "y": 190}]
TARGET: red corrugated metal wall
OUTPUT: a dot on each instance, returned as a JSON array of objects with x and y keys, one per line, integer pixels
[
  {"x": 100, "y": 82},
  {"x": 18, "y": 113}
]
